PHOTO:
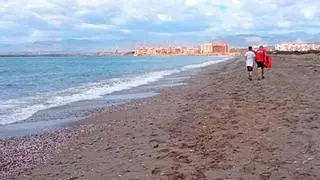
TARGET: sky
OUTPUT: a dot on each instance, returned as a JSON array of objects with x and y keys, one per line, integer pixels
[{"x": 134, "y": 21}]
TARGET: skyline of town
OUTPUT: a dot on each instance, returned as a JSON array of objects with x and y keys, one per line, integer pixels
[
  {"x": 236, "y": 41},
  {"x": 204, "y": 49},
  {"x": 207, "y": 48}
]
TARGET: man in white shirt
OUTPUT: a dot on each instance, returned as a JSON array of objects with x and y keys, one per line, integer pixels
[{"x": 250, "y": 58}]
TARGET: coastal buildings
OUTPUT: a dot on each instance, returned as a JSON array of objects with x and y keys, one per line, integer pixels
[
  {"x": 297, "y": 47},
  {"x": 206, "y": 48},
  {"x": 215, "y": 48},
  {"x": 144, "y": 51},
  {"x": 191, "y": 51},
  {"x": 212, "y": 48}
]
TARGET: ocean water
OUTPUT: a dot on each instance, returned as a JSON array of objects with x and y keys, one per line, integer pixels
[{"x": 42, "y": 88}]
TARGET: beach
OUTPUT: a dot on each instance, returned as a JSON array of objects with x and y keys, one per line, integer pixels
[{"x": 218, "y": 126}]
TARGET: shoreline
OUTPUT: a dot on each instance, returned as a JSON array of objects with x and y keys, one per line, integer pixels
[
  {"x": 91, "y": 89},
  {"x": 49, "y": 140},
  {"x": 106, "y": 55},
  {"x": 219, "y": 125}
]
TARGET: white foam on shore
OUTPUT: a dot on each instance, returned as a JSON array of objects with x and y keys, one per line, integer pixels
[
  {"x": 194, "y": 66},
  {"x": 15, "y": 110}
]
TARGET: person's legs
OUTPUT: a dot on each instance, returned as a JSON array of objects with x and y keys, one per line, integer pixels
[
  {"x": 259, "y": 73},
  {"x": 250, "y": 69},
  {"x": 260, "y": 70}
]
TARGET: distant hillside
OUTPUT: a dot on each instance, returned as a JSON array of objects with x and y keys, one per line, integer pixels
[
  {"x": 245, "y": 40},
  {"x": 76, "y": 45}
]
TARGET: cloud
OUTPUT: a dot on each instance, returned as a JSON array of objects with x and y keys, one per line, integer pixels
[
  {"x": 284, "y": 24},
  {"x": 164, "y": 17},
  {"x": 95, "y": 26},
  {"x": 162, "y": 34},
  {"x": 191, "y": 2},
  {"x": 58, "y": 19},
  {"x": 37, "y": 33},
  {"x": 93, "y": 3},
  {"x": 6, "y": 24},
  {"x": 82, "y": 12},
  {"x": 126, "y": 31},
  {"x": 51, "y": 19},
  {"x": 309, "y": 12}
]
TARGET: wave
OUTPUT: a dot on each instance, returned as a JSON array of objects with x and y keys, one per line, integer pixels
[
  {"x": 194, "y": 66},
  {"x": 15, "y": 110}
]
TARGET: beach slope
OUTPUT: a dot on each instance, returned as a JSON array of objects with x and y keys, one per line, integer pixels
[{"x": 219, "y": 126}]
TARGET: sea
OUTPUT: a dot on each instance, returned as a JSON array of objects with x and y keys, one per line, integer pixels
[{"x": 40, "y": 94}]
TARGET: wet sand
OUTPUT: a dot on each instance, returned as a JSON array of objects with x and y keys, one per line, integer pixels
[{"x": 219, "y": 126}]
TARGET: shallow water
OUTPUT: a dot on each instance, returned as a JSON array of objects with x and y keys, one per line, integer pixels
[{"x": 62, "y": 89}]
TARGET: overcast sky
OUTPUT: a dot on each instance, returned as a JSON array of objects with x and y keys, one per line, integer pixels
[{"x": 37, "y": 20}]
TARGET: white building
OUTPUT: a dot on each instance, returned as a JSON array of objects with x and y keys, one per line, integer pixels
[{"x": 297, "y": 47}]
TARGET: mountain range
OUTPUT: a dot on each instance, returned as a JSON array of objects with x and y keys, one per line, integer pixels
[
  {"x": 245, "y": 40},
  {"x": 75, "y": 45}
]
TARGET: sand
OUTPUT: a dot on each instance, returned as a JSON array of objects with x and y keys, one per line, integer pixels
[{"x": 219, "y": 126}]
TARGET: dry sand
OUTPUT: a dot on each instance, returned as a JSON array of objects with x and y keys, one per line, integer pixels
[{"x": 219, "y": 126}]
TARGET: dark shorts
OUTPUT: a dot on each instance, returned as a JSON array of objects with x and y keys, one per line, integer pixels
[
  {"x": 260, "y": 65},
  {"x": 250, "y": 68}
]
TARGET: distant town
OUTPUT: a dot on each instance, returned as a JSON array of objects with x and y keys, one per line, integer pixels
[
  {"x": 300, "y": 47},
  {"x": 205, "y": 49},
  {"x": 212, "y": 48}
]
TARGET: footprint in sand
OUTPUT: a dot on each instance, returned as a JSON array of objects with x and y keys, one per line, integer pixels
[{"x": 183, "y": 159}]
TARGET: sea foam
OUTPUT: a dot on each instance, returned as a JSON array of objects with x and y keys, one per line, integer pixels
[{"x": 15, "y": 110}]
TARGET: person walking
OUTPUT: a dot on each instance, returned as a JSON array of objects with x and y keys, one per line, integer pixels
[
  {"x": 261, "y": 57},
  {"x": 249, "y": 58}
]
